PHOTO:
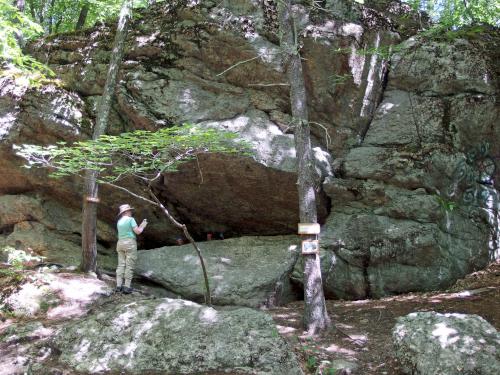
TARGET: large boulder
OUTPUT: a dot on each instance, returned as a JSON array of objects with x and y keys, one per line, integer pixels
[
  {"x": 174, "y": 336},
  {"x": 429, "y": 343},
  {"x": 246, "y": 271}
]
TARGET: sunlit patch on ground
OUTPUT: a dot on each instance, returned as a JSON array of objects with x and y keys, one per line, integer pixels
[
  {"x": 31, "y": 311},
  {"x": 75, "y": 294},
  {"x": 361, "y": 333},
  {"x": 55, "y": 295},
  {"x": 285, "y": 330}
]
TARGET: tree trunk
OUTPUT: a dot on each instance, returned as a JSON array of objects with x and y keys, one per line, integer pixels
[
  {"x": 18, "y": 34},
  {"x": 19, "y": 4},
  {"x": 58, "y": 24},
  {"x": 82, "y": 17},
  {"x": 315, "y": 315},
  {"x": 41, "y": 12},
  {"x": 50, "y": 20},
  {"x": 90, "y": 199}
]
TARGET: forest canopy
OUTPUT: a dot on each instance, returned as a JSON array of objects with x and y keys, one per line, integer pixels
[{"x": 456, "y": 13}]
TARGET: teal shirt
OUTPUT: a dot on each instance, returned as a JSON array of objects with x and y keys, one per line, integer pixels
[{"x": 125, "y": 227}]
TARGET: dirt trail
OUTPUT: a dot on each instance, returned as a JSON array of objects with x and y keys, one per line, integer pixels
[{"x": 363, "y": 334}]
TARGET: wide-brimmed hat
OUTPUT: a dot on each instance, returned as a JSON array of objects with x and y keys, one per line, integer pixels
[{"x": 124, "y": 207}]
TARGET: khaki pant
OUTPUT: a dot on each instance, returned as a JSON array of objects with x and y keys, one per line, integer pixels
[{"x": 127, "y": 256}]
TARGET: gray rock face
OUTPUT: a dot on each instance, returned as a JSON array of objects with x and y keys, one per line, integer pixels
[
  {"x": 224, "y": 192},
  {"x": 415, "y": 207},
  {"x": 50, "y": 230},
  {"x": 429, "y": 343},
  {"x": 246, "y": 271},
  {"x": 44, "y": 115},
  {"x": 376, "y": 255},
  {"x": 412, "y": 178},
  {"x": 173, "y": 75},
  {"x": 448, "y": 63},
  {"x": 16, "y": 343},
  {"x": 175, "y": 336}
]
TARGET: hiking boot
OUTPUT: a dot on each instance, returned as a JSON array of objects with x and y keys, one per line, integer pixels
[
  {"x": 126, "y": 290},
  {"x": 118, "y": 289}
]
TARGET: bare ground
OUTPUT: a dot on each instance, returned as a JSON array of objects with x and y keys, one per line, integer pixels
[{"x": 361, "y": 332}]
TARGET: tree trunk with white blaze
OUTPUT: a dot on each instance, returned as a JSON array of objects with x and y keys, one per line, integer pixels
[
  {"x": 315, "y": 315},
  {"x": 90, "y": 198}
]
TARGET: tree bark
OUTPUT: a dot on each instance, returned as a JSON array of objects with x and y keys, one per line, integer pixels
[
  {"x": 19, "y": 4},
  {"x": 315, "y": 315},
  {"x": 90, "y": 199},
  {"x": 51, "y": 16},
  {"x": 82, "y": 17},
  {"x": 41, "y": 12}
]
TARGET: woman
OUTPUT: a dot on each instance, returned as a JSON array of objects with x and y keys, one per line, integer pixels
[{"x": 126, "y": 247}]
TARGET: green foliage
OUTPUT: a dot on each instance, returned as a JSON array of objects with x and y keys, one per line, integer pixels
[
  {"x": 16, "y": 28},
  {"x": 451, "y": 14},
  {"x": 142, "y": 153},
  {"x": 12, "y": 274},
  {"x": 62, "y": 15},
  {"x": 275, "y": 333},
  {"x": 51, "y": 300},
  {"x": 312, "y": 363},
  {"x": 18, "y": 260},
  {"x": 445, "y": 204},
  {"x": 446, "y": 34}
]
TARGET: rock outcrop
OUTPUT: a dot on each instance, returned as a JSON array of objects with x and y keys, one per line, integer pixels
[
  {"x": 415, "y": 206},
  {"x": 54, "y": 295},
  {"x": 431, "y": 343},
  {"x": 410, "y": 201},
  {"x": 191, "y": 70},
  {"x": 49, "y": 229},
  {"x": 175, "y": 336}
]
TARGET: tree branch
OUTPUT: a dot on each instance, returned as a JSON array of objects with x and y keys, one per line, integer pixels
[
  {"x": 130, "y": 192},
  {"x": 238, "y": 63}
]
